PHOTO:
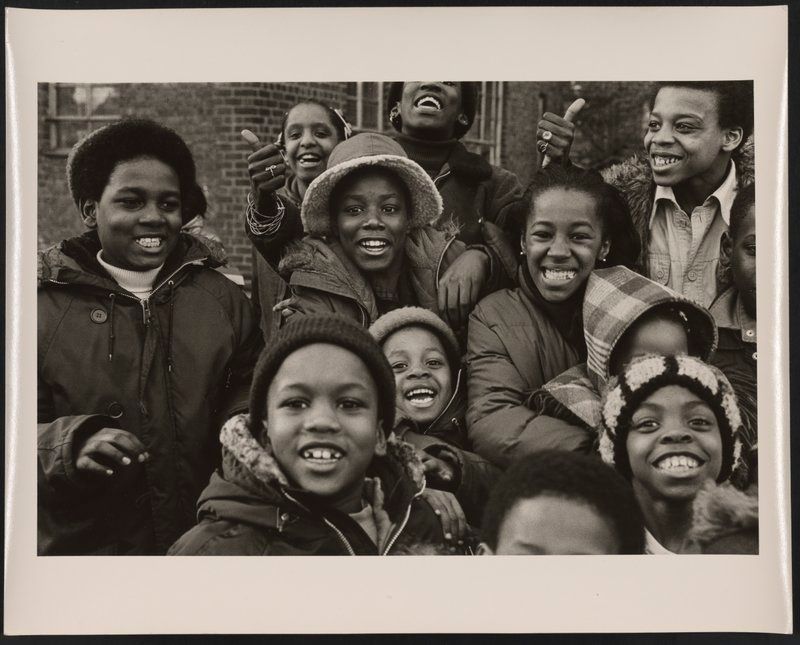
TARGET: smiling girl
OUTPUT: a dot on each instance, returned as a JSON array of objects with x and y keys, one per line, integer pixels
[
  {"x": 143, "y": 350},
  {"x": 521, "y": 338},
  {"x": 671, "y": 425}
]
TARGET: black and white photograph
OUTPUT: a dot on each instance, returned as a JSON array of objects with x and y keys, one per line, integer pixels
[{"x": 326, "y": 315}]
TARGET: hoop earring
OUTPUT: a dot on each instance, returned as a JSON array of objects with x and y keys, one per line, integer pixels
[
  {"x": 463, "y": 120},
  {"x": 394, "y": 116}
]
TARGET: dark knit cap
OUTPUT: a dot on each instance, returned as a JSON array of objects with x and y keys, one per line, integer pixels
[
  {"x": 92, "y": 160},
  {"x": 333, "y": 330},
  {"x": 469, "y": 104},
  {"x": 648, "y": 374}
]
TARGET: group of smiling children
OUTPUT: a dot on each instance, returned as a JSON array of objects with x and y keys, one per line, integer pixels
[{"x": 595, "y": 405}]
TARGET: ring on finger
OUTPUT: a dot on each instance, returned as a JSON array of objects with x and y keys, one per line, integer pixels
[
  {"x": 271, "y": 170},
  {"x": 542, "y": 146},
  {"x": 547, "y": 135}
]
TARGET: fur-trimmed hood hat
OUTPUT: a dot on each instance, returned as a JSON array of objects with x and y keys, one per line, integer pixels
[
  {"x": 649, "y": 374},
  {"x": 331, "y": 329},
  {"x": 363, "y": 151},
  {"x": 404, "y": 317},
  {"x": 469, "y": 105}
]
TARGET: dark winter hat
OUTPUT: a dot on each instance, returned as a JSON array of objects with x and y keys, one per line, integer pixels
[
  {"x": 92, "y": 160},
  {"x": 469, "y": 105},
  {"x": 649, "y": 374},
  {"x": 403, "y": 317},
  {"x": 331, "y": 329},
  {"x": 369, "y": 150}
]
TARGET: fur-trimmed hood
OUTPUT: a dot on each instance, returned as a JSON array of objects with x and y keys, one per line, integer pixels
[
  {"x": 252, "y": 486},
  {"x": 725, "y": 520},
  {"x": 634, "y": 179}
]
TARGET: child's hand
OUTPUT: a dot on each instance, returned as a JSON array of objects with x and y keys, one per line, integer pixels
[
  {"x": 437, "y": 471},
  {"x": 561, "y": 133},
  {"x": 446, "y": 506},
  {"x": 461, "y": 285},
  {"x": 265, "y": 166},
  {"x": 108, "y": 449}
]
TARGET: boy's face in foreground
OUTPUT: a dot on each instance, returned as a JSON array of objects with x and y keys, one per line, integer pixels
[
  {"x": 138, "y": 216},
  {"x": 684, "y": 139},
  {"x": 674, "y": 445},
  {"x": 322, "y": 420},
  {"x": 552, "y": 525},
  {"x": 421, "y": 372}
]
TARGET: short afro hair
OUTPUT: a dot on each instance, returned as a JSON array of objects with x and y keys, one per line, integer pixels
[
  {"x": 612, "y": 209},
  {"x": 734, "y": 102},
  {"x": 469, "y": 105},
  {"x": 569, "y": 475},
  {"x": 92, "y": 160}
]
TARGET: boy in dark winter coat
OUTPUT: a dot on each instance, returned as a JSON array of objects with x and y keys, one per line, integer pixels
[
  {"x": 735, "y": 314},
  {"x": 431, "y": 406},
  {"x": 697, "y": 156},
  {"x": 310, "y": 470},
  {"x": 625, "y": 316},
  {"x": 144, "y": 350}
]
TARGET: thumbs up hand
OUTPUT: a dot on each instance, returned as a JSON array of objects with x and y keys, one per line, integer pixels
[
  {"x": 265, "y": 166},
  {"x": 554, "y": 134}
]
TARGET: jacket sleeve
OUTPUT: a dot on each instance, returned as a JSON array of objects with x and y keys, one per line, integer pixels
[
  {"x": 308, "y": 302},
  {"x": 501, "y": 427},
  {"x": 290, "y": 229},
  {"x": 503, "y": 195},
  {"x": 239, "y": 370}
]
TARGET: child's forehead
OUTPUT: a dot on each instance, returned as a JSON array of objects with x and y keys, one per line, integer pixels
[{"x": 686, "y": 100}]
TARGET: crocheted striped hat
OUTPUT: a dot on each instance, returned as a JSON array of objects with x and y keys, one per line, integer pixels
[
  {"x": 363, "y": 151},
  {"x": 649, "y": 374}
]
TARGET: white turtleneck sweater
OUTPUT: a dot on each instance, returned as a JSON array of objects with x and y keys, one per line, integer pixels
[{"x": 139, "y": 283}]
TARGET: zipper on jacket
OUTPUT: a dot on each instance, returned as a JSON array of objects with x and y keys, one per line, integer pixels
[
  {"x": 341, "y": 536},
  {"x": 449, "y": 403},
  {"x": 402, "y": 526},
  {"x": 146, "y": 314},
  {"x": 444, "y": 175},
  {"x": 441, "y": 259}
]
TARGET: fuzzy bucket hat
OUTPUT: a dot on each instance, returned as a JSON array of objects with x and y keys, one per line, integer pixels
[
  {"x": 333, "y": 330},
  {"x": 363, "y": 151},
  {"x": 649, "y": 374},
  {"x": 404, "y": 317}
]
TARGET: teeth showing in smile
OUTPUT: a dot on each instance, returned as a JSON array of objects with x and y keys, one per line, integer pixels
[
  {"x": 373, "y": 246},
  {"x": 420, "y": 395},
  {"x": 429, "y": 102},
  {"x": 559, "y": 274},
  {"x": 678, "y": 462},
  {"x": 308, "y": 160},
  {"x": 149, "y": 242},
  {"x": 660, "y": 161},
  {"x": 322, "y": 454}
]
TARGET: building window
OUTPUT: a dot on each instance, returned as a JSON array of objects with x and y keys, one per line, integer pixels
[
  {"x": 366, "y": 109},
  {"x": 74, "y": 110}
]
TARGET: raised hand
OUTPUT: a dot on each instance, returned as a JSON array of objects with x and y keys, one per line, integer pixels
[
  {"x": 265, "y": 165},
  {"x": 555, "y": 134}
]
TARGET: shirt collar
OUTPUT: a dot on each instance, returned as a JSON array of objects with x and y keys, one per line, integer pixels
[{"x": 724, "y": 194}]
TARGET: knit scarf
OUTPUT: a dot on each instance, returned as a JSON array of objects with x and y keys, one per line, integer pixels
[
  {"x": 431, "y": 155},
  {"x": 567, "y": 316}
]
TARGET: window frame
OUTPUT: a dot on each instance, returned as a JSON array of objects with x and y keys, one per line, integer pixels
[{"x": 54, "y": 119}]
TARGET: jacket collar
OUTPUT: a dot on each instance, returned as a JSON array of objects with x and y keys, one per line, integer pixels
[
  {"x": 729, "y": 313},
  {"x": 460, "y": 161}
]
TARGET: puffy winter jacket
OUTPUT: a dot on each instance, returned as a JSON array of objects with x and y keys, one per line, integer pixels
[
  {"x": 249, "y": 508},
  {"x": 167, "y": 369},
  {"x": 514, "y": 348},
  {"x": 614, "y": 300}
]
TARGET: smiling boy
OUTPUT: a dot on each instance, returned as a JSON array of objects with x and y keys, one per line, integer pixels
[{"x": 310, "y": 470}]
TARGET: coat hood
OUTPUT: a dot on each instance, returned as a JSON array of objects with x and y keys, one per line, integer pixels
[
  {"x": 615, "y": 299},
  {"x": 253, "y": 486},
  {"x": 725, "y": 520},
  {"x": 74, "y": 260}
]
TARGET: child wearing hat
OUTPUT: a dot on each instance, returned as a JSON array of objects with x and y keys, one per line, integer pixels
[
  {"x": 670, "y": 425},
  {"x": 625, "y": 316},
  {"x": 735, "y": 314},
  {"x": 144, "y": 349},
  {"x": 431, "y": 405},
  {"x": 370, "y": 246},
  {"x": 311, "y": 470},
  {"x": 556, "y": 502}
]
